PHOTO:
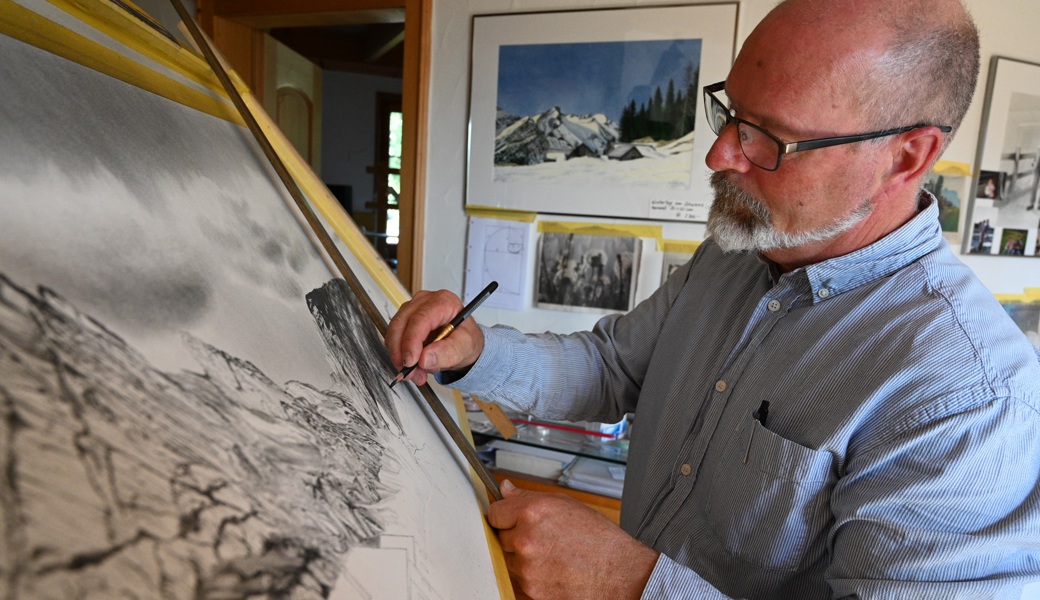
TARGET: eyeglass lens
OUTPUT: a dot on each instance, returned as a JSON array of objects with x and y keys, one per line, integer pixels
[
  {"x": 719, "y": 116},
  {"x": 759, "y": 148}
]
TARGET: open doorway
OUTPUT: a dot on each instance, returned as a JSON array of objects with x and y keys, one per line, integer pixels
[
  {"x": 350, "y": 131},
  {"x": 361, "y": 120},
  {"x": 386, "y": 176}
]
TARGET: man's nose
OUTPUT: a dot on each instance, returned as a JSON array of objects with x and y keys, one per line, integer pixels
[{"x": 725, "y": 153}]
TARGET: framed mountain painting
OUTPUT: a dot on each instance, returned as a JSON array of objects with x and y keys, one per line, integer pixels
[{"x": 596, "y": 112}]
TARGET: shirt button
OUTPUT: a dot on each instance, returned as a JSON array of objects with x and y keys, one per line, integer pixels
[
  {"x": 823, "y": 293},
  {"x": 720, "y": 386},
  {"x": 773, "y": 306},
  {"x": 686, "y": 469}
]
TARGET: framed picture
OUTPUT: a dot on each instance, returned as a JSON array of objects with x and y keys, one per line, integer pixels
[
  {"x": 948, "y": 181},
  {"x": 596, "y": 112},
  {"x": 1005, "y": 211}
]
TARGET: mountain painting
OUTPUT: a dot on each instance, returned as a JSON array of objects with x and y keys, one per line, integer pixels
[{"x": 597, "y": 112}]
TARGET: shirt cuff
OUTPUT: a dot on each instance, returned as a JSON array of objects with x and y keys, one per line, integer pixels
[
  {"x": 483, "y": 376},
  {"x": 672, "y": 580}
]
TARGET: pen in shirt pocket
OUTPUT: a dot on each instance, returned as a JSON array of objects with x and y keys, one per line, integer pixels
[
  {"x": 762, "y": 413},
  {"x": 759, "y": 415}
]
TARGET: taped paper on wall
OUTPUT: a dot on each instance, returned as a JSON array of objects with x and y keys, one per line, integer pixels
[{"x": 498, "y": 250}]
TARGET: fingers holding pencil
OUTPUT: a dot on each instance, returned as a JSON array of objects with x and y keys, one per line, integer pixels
[{"x": 432, "y": 332}]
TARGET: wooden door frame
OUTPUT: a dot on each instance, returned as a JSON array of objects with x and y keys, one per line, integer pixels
[{"x": 236, "y": 27}]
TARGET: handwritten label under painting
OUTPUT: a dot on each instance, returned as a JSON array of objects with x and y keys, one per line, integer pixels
[{"x": 677, "y": 210}]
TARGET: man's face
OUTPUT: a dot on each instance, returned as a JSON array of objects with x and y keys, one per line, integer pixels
[{"x": 817, "y": 200}]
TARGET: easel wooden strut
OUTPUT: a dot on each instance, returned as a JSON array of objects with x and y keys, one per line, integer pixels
[{"x": 445, "y": 419}]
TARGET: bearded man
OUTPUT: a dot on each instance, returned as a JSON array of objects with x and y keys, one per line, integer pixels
[{"x": 828, "y": 403}]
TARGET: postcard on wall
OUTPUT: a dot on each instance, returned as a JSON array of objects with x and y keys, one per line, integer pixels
[
  {"x": 949, "y": 181},
  {"x": 596, "y": 112}
]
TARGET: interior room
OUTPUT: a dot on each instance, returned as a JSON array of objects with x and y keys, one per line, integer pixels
[{"x": 220, "y": 235}]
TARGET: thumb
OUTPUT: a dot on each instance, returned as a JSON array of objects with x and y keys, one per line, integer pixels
[
  {"x": 503, "y": 514},
  {"x": 458, "y": 350},
  {"x": 509, "y": 490}
]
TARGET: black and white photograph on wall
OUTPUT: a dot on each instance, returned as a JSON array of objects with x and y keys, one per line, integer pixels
[
  {"x": 587, "y": 273},
  {"x": 1007, "y": 195}
]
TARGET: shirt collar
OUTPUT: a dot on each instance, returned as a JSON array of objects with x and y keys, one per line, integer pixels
[{"x": 919, "y": 236}]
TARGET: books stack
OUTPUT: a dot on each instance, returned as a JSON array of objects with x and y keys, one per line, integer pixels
[
  {"x": 596, "y": 476},
  {"x": 531, "y": 460}
]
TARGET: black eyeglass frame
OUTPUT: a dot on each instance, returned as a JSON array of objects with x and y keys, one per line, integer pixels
[{"x": 784, "y": 147}]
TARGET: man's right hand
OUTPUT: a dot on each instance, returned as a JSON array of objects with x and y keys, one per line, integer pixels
[{"x": 419, "y": 320}]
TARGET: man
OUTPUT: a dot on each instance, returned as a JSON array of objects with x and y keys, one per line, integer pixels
[{"x": 828, "y": 403}]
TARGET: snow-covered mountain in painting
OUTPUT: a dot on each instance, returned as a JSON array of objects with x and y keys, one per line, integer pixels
[
  {"x": 530, "y": 140},
  {"x": 555, "y": 148}
]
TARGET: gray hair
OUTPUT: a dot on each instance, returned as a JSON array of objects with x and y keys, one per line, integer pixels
[{"x": 929, "y": 72}]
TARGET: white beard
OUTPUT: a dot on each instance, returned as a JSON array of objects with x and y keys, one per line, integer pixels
[{"x": 738, "y": 222}]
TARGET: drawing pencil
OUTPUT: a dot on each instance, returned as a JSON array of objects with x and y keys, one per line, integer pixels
[{"x": 447, "y": 329}]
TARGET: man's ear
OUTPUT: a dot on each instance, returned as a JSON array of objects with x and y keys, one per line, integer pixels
[{"x": 914, "y": 156}]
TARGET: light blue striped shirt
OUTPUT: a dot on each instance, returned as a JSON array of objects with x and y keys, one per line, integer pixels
[{"x": 901, "y": 454}]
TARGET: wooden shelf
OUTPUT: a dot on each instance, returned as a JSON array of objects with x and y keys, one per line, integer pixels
[{"x": 605, "y": 505}]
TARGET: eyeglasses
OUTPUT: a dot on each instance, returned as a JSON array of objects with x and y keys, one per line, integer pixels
[{"x": 763, "y": 149}]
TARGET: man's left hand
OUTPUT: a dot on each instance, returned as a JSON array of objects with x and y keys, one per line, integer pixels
[{"x": 556, "y": 547}]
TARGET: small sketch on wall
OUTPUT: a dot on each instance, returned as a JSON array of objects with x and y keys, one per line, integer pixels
[{"x": 498, "y": 250}]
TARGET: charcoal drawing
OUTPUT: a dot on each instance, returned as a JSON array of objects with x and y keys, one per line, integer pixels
[{"x": 192, "y": 405}]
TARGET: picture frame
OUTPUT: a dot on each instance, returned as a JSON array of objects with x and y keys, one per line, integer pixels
[
  {"x": 948, "y": 181},
  {"x": 1005, "y": 205},
  {"x": 589, "y": 112}
]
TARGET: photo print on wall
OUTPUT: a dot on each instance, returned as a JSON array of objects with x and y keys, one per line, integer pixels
[{"x": 587, "y": 273}]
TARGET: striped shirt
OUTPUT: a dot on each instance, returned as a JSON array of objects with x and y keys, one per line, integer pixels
[{"x": 901, "y": 453}]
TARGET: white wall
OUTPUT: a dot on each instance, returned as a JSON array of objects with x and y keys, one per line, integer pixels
[{"x": 1009, "y": 28}]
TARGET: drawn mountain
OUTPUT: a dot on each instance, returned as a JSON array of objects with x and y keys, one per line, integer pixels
[
  {"x": 120, "y": 480},
  {"x": 348, "y": 334},
  {"x": 528, "y": 140}
]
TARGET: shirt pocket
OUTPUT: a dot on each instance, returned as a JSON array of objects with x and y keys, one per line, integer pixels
[{"x": 768, "y": 497}]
